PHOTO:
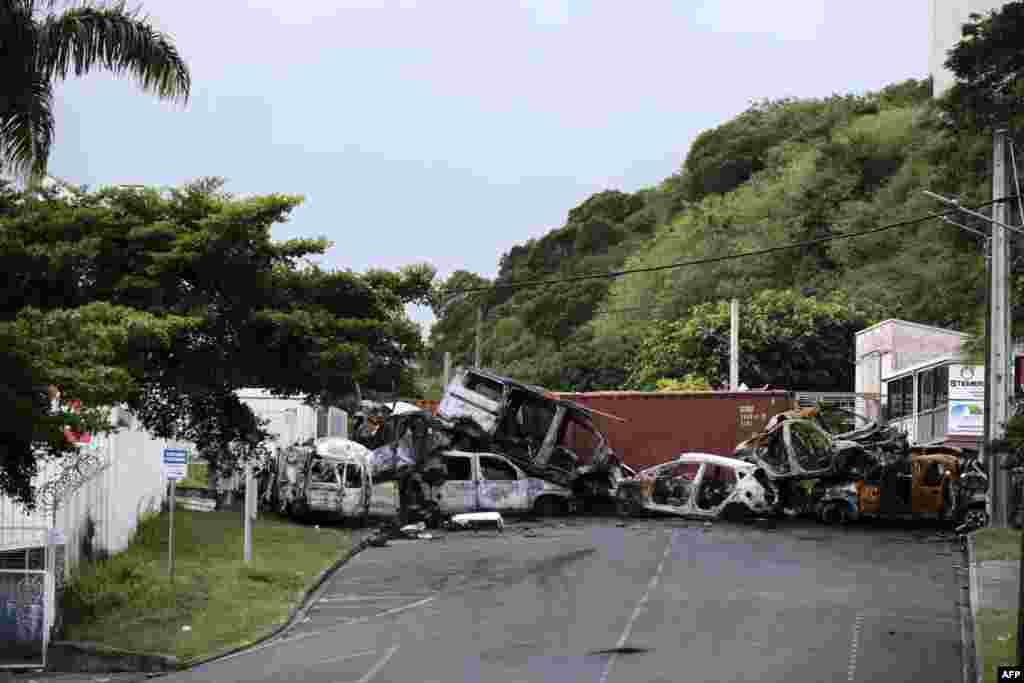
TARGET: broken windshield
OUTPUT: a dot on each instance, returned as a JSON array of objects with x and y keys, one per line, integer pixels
[
  {"x": 811, "y": 446},
  {"x": 323, "y": 472}
]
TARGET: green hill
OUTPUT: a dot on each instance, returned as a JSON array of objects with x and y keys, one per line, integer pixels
[{"x": 781, "y": 172}]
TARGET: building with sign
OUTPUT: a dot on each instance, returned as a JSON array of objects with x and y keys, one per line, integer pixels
[{"x": 926, "y": 385}]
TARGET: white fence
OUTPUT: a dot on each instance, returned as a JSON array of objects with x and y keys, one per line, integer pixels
[{"x": 97, "y": 504}]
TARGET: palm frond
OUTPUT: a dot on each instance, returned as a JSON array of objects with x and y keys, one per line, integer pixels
[
  {"x": 26, "y": 130},
  {"x": 85, "y": 38}
]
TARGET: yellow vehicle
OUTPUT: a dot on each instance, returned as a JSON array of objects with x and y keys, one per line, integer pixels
[{"x": 925, "y": 485}]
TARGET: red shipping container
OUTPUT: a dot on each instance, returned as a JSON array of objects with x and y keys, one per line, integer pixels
[{"x": 661, "y": 425}]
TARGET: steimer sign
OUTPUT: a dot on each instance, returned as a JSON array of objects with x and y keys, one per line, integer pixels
[{"x": 966, "y": 400}]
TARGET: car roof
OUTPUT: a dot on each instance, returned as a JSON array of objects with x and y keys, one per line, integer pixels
[{"x": 708, "y": 458}]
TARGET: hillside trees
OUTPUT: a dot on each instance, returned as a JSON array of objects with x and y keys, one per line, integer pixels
[{"x": 786, "y": 340}]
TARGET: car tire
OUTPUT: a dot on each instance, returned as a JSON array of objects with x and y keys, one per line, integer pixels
[{"x": 546, "y": 506}]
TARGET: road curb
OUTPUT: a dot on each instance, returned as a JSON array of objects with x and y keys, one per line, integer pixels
[
  {"x": 973, "y": 661},
  {"x": 69, "y": 656},
  {"x": 296, "y": 613}
]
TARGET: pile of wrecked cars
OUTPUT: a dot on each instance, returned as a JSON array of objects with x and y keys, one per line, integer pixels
[
  {"x": 808, "y": 462},
  {"x": 867, "y": 472},
  {"x": 495, "y": 444}
]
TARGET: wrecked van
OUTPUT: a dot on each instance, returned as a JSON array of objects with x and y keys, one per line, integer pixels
[
  {"x": 699, "y": 485},
  {"x": 552, "y": 439},
  {"x": 329, "y": 479}
]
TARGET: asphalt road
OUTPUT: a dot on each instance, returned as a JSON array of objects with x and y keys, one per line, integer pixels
[{"x": 681, "y": 602}]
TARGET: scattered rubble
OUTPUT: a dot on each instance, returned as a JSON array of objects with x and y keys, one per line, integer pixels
[{"x": 476, "y": 520}]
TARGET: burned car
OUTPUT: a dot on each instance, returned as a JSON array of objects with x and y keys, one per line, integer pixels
[
  {"x": 699, "y": 485},
  {"x": 932, "y": 483},
  {"x": 328, "y": 479},
  {"x": 798, "y": 445},
  {"x": 548, "y": 439}
]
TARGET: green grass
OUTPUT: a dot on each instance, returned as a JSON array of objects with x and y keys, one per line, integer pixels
[
  {"x": 127, "y": 601},
  {"x": 997, "y": 544},
  {"x": 997, "y": 629},
  {"x": 196, "y": 477}
]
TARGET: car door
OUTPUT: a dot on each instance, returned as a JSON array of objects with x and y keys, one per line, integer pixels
[
  {"x": 458, "y": 492},
  {"x": 715, "y": 488},
  {"x": 353, "y": 499},
  {"x": 928, "y": 478},
  {"x": 500, "y": 485}
]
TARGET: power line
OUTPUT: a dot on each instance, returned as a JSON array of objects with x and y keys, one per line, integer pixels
[{"x": 523, "y": 284}]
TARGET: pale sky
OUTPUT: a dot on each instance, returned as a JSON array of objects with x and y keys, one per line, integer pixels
[{"x": 448, "y": 131}]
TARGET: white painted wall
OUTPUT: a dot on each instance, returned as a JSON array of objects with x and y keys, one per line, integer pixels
[
  {"x": 946, "y": 18},
  {"x": 127, "y": 483}
]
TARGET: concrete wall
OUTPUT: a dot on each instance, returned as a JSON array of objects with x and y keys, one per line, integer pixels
[{"x": 945, "y": 19}]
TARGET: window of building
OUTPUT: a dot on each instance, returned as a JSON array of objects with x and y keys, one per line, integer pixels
[
  {"x": 926, "y": 390},
  {"x": 900, "y": 397},
  {"x": 941, "y": 386}
]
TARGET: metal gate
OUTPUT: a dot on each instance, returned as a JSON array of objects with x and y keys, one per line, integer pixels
[
  {"x": 26, "y": 608},
  {"x": 31, "y": 572}
]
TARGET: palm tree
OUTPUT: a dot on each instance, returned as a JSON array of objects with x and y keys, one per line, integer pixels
[{"x": 39, "y": 45}]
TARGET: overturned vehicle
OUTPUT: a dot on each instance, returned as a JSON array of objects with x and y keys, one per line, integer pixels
[
  {"x": 699, "y": 485},
  {"x": 552, "y": 444}
]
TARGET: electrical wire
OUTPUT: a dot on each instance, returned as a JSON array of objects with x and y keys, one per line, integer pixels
[{"x": 523, "y": 284}]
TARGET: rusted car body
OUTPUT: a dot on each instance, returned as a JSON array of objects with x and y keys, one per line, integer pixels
[
  {"x": 926, "y": 485},
  {"x": 699, "y": 485}
]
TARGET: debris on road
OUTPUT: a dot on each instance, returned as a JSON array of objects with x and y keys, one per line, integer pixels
[
  {"x": 413, "y": 530},
  {"x": 475, "y": 520}
]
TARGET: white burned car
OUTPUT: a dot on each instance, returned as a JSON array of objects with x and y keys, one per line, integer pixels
[
  {"x": 331, "y": 479},
  {"x": 491, "y": 482},
  {"x": 699, "y": 485}
]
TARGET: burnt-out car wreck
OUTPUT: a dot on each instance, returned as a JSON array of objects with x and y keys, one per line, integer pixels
[
  {"x": 554, "y": 444},
  {"x": 866, "y": 469}
]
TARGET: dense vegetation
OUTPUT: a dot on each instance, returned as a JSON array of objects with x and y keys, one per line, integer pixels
[{"x": 781, "y": 172}]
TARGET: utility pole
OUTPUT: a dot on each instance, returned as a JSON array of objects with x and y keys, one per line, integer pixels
[
  {"x": 479, "y": 333},
  {"x": 734, "y": 345},
  {"x": 997, "y": 382},
  {"x": 447, "y": 370}
]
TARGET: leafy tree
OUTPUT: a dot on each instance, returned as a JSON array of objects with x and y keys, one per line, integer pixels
[
  {"x": 39, "y": 46},
  {"x": 199, "y": 302},
  {"x": 989, "y": 67},
  {"x": 690, "y": 382},
  {"x": 786, "y": 339}
]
